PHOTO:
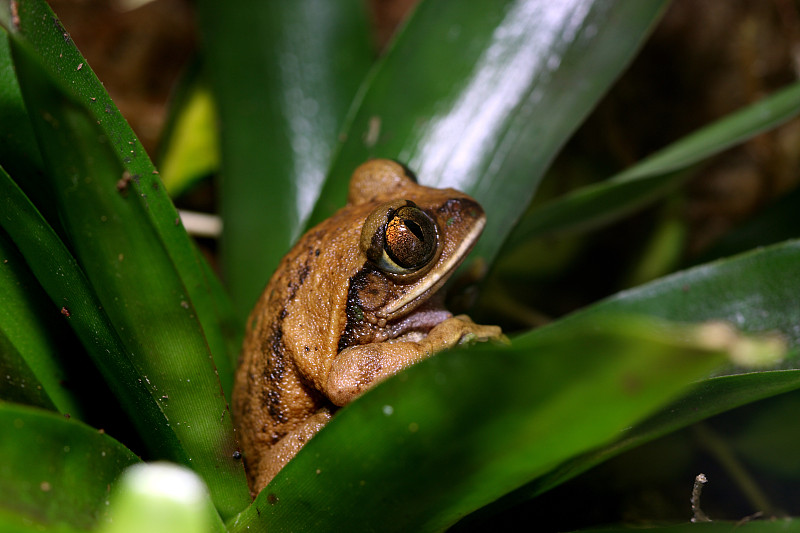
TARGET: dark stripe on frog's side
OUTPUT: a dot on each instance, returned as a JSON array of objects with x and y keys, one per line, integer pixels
[
  {"x": 302, "y": 274},
  {"x": 357, "y": 331},
  {"x": 275, "y": 370}
]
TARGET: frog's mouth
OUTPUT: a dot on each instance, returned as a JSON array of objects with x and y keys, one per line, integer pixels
[
  {"x": 411, "y": 317},
  {"x": 416, "y": 325}
]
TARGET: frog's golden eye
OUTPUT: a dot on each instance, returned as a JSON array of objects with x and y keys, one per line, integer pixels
[
  {"x": 399, "y": 237},
  {"x": 411, "y": 237}
]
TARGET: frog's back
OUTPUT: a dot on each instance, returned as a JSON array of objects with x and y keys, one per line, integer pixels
[{"x": 291, "y": 325}]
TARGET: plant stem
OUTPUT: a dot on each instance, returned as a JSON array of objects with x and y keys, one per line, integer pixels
[{"x": 717, "y": 446}]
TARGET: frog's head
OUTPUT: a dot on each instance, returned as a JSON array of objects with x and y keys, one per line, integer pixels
[{"x": 412, "y": 241}]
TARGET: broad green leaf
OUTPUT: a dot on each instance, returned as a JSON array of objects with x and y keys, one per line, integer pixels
[
  {"x": 229, "y": 324},
  {"x": 480, "y": 96},
  {"x": 19, "y": 152},
  {"x": 18, "y": 382},
  {"x": 107, "y": 220},
  {"x": 755, "y": 291},
  {"x": 284, "y": 75},
  {"x": 711, "y": 397},
  {"x": 161, "y": 498},
  {"x": 38, "y": 27},
  {"x": 65, "y": 282},
  {"x": 13, "y": 523},
  {"x": 32, "y": 337},
  {"x": 603, "y": 203},
  {"x": 461, "y": 429},
  {"x": 56, "y": 471}
]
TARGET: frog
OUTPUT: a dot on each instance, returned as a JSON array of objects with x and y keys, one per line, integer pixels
[{"x": 356, "y": 300}]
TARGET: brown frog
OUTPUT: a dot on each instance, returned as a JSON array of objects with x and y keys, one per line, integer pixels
[{"x": 354, "y": 302}]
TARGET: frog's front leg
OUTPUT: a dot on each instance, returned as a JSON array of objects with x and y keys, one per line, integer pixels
[
  {"x": 276, "y": 457},
  {"x": 359, "y": 368}
]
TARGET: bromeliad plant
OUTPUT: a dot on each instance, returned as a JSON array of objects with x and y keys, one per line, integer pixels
[{"x": 118, "y": 343}]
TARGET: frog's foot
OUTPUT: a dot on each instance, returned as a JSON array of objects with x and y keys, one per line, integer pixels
[
  {"x": 432, "y": 317},
  {"x": 460, "y": 330},
  {"x": 481, "y": 333}
]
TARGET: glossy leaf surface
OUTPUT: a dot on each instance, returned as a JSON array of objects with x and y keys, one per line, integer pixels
[
  {"x": 461, "y": 429},
  {"x": 64, "y": 281},
  {"x": 711, "y": 397},
  {"x": 481, "y": 96},
  {"x": 753, "y": 291},
  {"x": 107, "y": 216},
  {"x": 56, "y": 471},
  {"x": 40, "y": 30},
  {"x": 284, "y": 74},
  {"x": 18, "y": 149},
  {"x": 31, "y": 337}
]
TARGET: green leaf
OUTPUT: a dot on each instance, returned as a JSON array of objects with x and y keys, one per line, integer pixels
[
  {"x": 109, "y": 221},
  {"x": 229, "y": 324},
  {"x": 32, "y": 338},
  {"x": 711, "y": 397},
  {"x": 603, "y": 203},
  {"x": 19, "y": 153},
  {"x": 65, "y": 282},
  {"x": 755, "y": 291},
  {"x": 284, "y": 74},
  {"x": 481, "y": 96},
  {"x": 461, "y": 429},
  {"x": 729, "y": 131},
  {"x": 41, "y": 31},
  {"x": 56, "y": 471},
  {"x": 19, "y": 382},
  {"x": 14, "y": 523}
]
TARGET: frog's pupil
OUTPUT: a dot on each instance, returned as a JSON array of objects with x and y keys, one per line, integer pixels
[{"x": 414, "y": 228}]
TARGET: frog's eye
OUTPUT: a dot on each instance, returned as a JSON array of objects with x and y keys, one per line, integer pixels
[
  {"x": 399, "y": 237},
  {"x": 411, "y": 238}
]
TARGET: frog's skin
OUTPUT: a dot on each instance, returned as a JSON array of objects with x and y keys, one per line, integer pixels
[{"x": 333, "y": 322}]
